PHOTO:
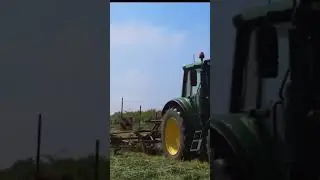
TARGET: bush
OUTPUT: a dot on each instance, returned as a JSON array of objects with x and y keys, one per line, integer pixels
[{"x": 145, "y": 115}]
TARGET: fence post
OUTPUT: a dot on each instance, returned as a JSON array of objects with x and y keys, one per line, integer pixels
[
  {"x": 121, "y": 111},
  {"x": 38, "y": 146},
  {"x": 96, "y": 168},
  {"x": 140, "y": 119}
]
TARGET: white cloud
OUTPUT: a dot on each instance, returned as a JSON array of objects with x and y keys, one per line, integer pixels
[
  {"x": 134, "y": 33},
  {"x": 137, "y": 47}
]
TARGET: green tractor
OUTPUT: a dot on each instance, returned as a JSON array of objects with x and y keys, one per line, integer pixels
[
  {"x": 184, "y": 118},
  {"x": 275, "y": 138},
  {"x": 260, "y": 138}
]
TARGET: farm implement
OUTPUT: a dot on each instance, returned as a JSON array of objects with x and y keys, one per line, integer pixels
[{"x": 146, "y": 141}]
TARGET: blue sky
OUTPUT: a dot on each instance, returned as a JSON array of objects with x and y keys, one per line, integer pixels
[{"x": 150, "y": 42}]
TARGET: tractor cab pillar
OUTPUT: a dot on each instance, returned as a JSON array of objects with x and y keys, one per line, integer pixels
[{"x": 305, "y": 102}]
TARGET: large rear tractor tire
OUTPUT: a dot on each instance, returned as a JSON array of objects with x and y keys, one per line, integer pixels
[
  {"x": 176, "y": 135},
  {"x": 223, "y": 163}
]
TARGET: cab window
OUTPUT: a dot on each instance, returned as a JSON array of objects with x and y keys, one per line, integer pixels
[{"x": 195, "y": 88}]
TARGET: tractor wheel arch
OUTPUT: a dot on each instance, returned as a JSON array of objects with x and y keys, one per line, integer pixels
[
  {"x": 224, "y": 149},
  {"x": 220, "y": 151},
  {"x": 182, "y": 104},
  {"x": 169, "y": 105},
  {"x": 218, "y": 136},
  {"x": 241, "y": 136}
]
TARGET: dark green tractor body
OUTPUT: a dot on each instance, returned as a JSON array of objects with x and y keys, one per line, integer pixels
[
  {"x": 192, "y": 111},
  {"x": 277, "y": 138},
  {"x": 260, "y": 138}
]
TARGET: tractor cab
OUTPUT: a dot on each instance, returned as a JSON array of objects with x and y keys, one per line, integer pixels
[
  {"x": 195, "y": 76},
  {"x": 273, "y": 118},
  {"x": 196, "y": 85}
]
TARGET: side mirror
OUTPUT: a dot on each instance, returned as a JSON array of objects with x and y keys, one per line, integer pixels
[
  {"x": 193, "y": 77},
  {"x": 267, "y": 51}
]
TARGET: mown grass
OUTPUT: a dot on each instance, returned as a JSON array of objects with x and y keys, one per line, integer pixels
[
  {"x": 133, "y": 166},
  {"x": 127, "y": 166}
]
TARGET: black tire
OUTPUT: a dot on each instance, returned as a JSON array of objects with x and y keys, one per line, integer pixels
[
  {"x": 186, "y": 130},
  {"x": 223, "y": 165}
]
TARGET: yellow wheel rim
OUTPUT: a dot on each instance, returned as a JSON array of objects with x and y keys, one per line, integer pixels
[{"x": 172, "y": 136}]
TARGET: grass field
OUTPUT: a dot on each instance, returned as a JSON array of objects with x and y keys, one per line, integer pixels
[
  {"x": 127, "y": 166},
  {"x": 133, "y": 166}
]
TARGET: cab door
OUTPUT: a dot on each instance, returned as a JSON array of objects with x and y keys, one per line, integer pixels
[{"x": 195, "y": 75}]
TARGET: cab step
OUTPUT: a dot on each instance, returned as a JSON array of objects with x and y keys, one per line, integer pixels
[{"x": 196, "y": 142}]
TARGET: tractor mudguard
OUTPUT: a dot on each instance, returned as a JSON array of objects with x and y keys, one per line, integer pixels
[
  {"x": 241, "y": 133},
  {"x": 189, "y": 112},
  {"x": 183, "y": 103}
]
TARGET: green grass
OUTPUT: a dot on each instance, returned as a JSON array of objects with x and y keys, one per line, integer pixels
[
  {"x": 133, "y": 166},
  {"x": 128, "y": 166},
  {"x": 139, "y": 166}
]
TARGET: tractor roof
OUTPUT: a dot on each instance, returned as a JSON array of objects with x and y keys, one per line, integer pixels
[
  {"x": 260, "y": 11},
  {"x": 279, "y": 12},
  {"x": 196, "y": 64}
]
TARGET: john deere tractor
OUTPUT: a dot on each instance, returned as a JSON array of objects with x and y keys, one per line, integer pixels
[
  {"x": 264, "y": 137},
  {"x": 184, "y": 118}
]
